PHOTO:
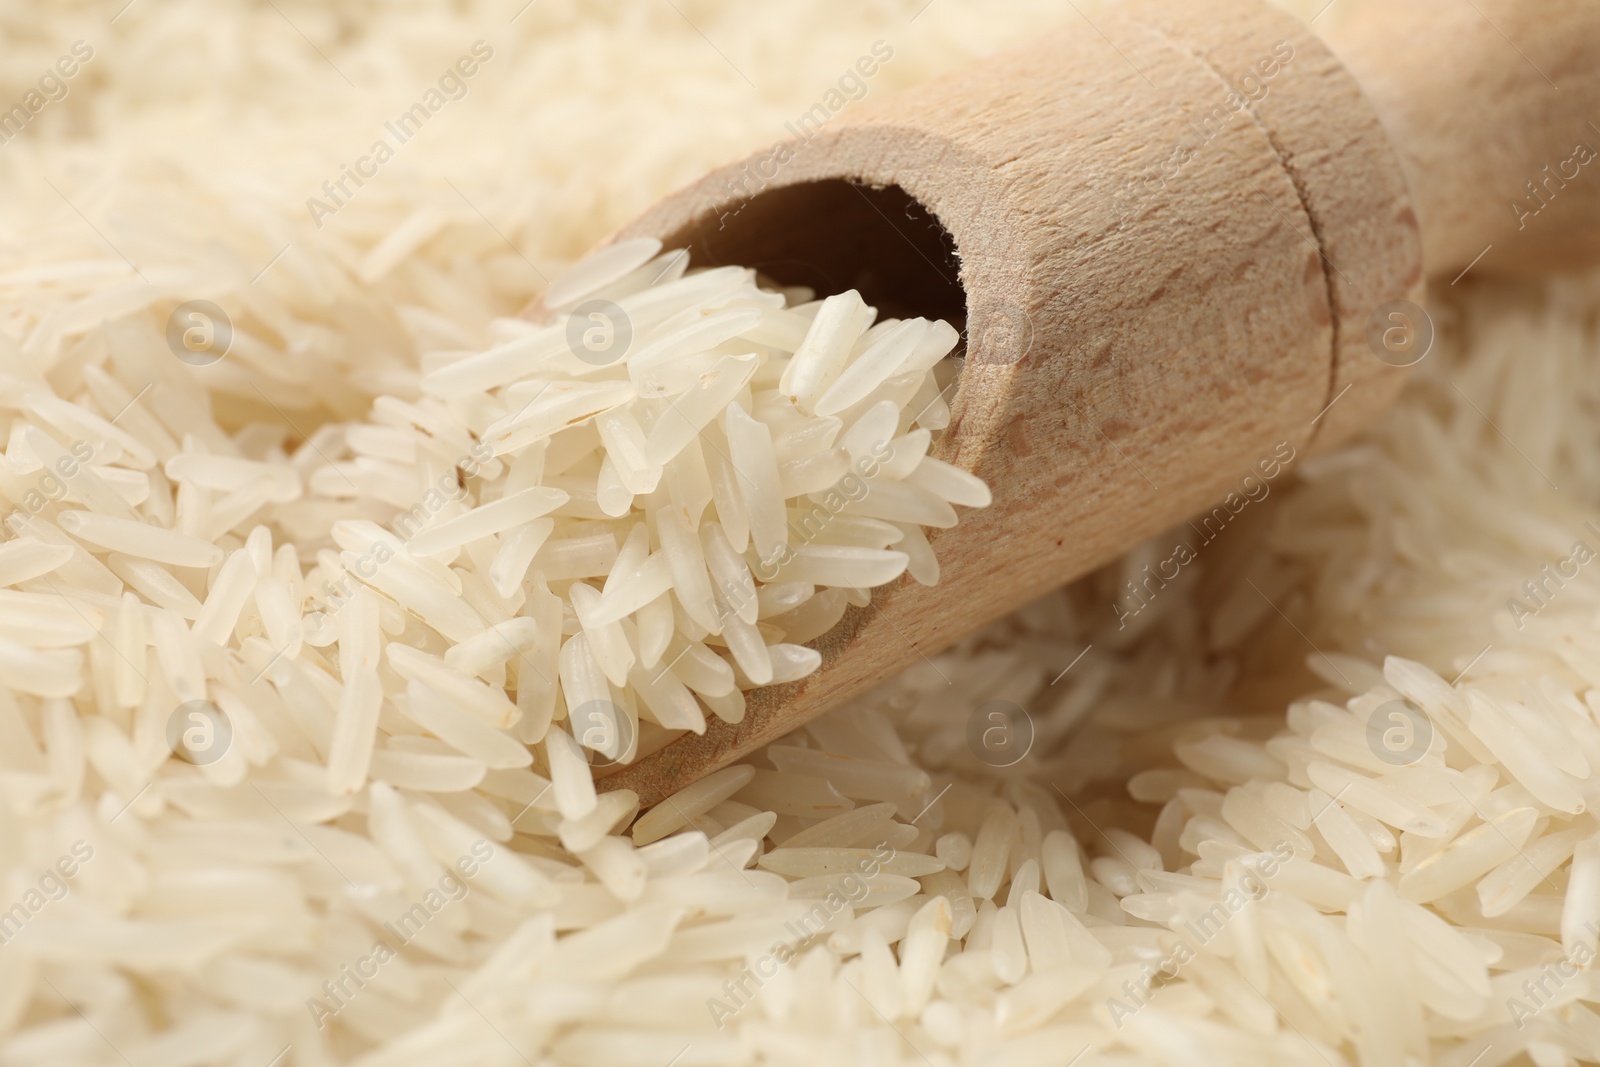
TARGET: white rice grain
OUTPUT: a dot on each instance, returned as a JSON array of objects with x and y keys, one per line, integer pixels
[
  {"x": 599, "y": 270},
  {"x": 132, "y": 538}
]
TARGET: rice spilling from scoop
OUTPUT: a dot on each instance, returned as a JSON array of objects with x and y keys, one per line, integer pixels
[{"x": 611, "y": 525}]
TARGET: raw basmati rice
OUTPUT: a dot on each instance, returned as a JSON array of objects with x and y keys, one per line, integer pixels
[{"x": 310, "y": 536}]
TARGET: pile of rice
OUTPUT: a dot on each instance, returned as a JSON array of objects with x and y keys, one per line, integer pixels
[{"x": 402, "y": 570}]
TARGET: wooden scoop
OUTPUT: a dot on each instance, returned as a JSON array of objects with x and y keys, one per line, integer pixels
[{"x": 1179, "y": 244}]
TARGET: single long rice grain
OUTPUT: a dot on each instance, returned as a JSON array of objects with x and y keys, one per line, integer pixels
[
  {"x": 132, "y": 538},
  {"x": 599, "y": 270}
]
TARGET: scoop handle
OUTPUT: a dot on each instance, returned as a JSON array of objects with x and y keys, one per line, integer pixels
[{"x": 1493, "y": 107}]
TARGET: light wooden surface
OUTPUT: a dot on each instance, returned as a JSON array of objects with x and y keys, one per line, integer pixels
[
  {"x": 1134, "y": 352},
  {"x": 1480, "y": 98}
]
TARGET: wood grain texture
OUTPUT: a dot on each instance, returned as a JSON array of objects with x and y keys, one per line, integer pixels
[
  {"x": 1338, "y": 155},
  {"x": 1136, "y": 344},
  {"x": 1479, "y": 99}
]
